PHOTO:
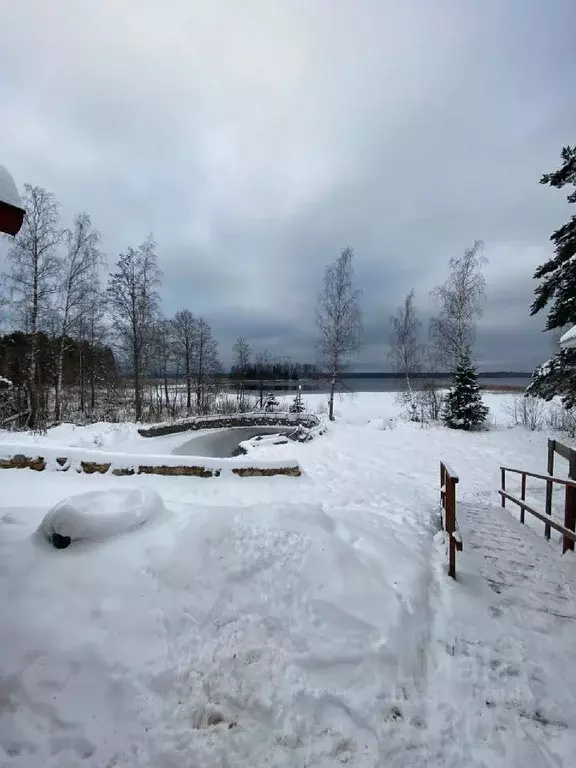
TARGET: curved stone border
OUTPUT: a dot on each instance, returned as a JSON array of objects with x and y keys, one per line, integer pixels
[{"x": 308, "y": 420}]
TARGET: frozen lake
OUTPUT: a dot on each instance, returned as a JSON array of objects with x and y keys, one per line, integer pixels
[{"x": 376, "y": 384}]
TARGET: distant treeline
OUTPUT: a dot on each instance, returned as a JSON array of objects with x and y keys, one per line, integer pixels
[
  {"x": 438, "y": 375},
  {"x": 273, "y": 370},
  {"x": 308, "y": 371}
]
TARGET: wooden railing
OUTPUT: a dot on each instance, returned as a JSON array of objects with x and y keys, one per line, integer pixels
[
  {"x": 568, "y": 529},
  {"x": 448, "y": 481}
]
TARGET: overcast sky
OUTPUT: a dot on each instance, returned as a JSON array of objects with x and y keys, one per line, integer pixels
[{"x": 256, "y": 139}]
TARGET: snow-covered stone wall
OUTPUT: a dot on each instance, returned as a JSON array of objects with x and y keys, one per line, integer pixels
[
  {"x": 120, "y": 464},
  {"x": 257, "y": 419}
]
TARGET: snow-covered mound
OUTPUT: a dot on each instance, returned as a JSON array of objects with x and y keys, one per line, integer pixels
[
  {"x": 99, "y": 515},
  {"x": 241, "y": 636}
]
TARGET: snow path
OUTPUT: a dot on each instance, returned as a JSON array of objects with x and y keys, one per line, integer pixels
[{"x": 503, "y": 683}]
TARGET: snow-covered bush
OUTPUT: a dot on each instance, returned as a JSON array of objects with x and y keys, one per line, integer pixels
[
  {"x": 7, "y": 399},
  {"x": 562, "y": 419},
  {"x": 407, "y": 403},
  {"x": 227, "y": 404},
  {"x": 525, "y": 411},
  {"x": 463, "y": 408},
  {"x": 271, "y": 403},
  {"x": 429, "y": 401},
  {"x": 386, "y": 422}
]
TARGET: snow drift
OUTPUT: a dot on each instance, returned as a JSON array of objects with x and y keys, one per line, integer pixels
[
  {"x": 238, "y": 635},
  {"x": 98, "y": 515}
]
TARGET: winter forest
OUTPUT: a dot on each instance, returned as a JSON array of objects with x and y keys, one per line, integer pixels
[{"x": 86, "y": 340}]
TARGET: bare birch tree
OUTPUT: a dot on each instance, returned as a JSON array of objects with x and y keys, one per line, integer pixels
[
  {"x": 79, "y": 274},
  {"x": 205, "y": 363},
  {"x": 263, "y": 369},
  {"x": 405, "y": 350},
  {"x": 133, "y": 303},
  {"x": 161, "y": 361},
  {"x": 241, "y": 352},
  {"x": 453, "y": 330},
  {"x": 95, "y": 332},
  {"x": 33, "y": 275},
  {"x": 185, "y": 330},
  {"x": 338, "y": 319}
]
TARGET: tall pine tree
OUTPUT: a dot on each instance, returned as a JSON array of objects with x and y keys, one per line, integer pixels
[
  {"x": 557, "y": 290},
  {"x": 463, "y": 408}
]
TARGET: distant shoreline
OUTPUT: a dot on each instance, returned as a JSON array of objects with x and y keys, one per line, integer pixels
[
  {"x": 375, "y": 383},
  {"x": 438, "y": 375}
]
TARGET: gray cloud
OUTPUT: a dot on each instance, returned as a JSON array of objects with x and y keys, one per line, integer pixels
[{"x": 257, "y": 139}]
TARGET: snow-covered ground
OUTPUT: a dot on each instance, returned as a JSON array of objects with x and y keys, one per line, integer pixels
[{"x": 255, "y": 622}]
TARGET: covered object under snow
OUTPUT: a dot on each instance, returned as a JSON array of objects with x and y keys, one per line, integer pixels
[
  {"x": 568, "y": 339},
  {"x": 99, "y": 515},
  {"x": 11, "y": 210}
]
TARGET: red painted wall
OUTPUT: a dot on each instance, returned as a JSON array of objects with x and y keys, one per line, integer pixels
[{"x": 11, "y": 219}]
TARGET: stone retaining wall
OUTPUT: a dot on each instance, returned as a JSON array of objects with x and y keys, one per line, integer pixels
[{"x": 63, "y": 464}]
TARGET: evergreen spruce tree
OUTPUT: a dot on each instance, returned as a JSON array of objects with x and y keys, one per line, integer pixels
[
  {"x": 463, "y": 408},
  {"x": 297, "y": 405},
  {"x": 557, "y": 290}
]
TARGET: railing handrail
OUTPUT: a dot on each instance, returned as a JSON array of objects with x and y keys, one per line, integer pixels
[
  {"x": 550, "y": 478},
  {"x": 568, "y": 530},
  {"x": 545, "y": 519},
  {"x": 449, "y": 471},
  {"x": 448, "y": 480}
]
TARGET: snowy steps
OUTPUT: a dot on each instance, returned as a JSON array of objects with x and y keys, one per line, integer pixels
[
  {"x": 513, "y": 558},
  {"x": 507, "y": 627}
]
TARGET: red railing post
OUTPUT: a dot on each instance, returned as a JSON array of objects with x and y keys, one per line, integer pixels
[
  {"x": 503, "y": 483},
  {"x": 443, "y": 486},
  {"x": 550, "y": 468},
  {"x": 451, "y": 524},
  {"x": 448, "y": 500},
  {"x": 569, "y": 517},
  {"x": 522, "y": 496}
]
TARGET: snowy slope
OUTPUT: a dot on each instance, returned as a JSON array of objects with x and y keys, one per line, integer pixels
[
  {"x": 280, "y": 622},
  {"x": 267, "y": 634}
]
